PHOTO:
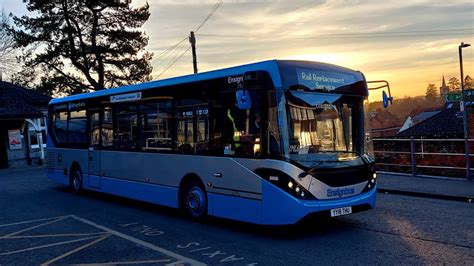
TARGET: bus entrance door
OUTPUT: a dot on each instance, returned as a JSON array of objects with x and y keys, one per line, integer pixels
[{"x": 94, "y": 153}]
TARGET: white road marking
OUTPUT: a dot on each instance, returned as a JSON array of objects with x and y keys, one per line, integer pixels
[
  {"x": 32, "y": 221},
  {"x": 125, "y": 262},
  {"x": 76, "y": 250},
  {"x": 49, "y": 245},
  {"x": 33, "y": 227},
  {"x": 57, "y": 235},
  {"x": 140, "y": 242}
]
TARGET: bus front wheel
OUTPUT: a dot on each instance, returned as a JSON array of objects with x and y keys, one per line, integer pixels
[{"x": 194, "y": 200}]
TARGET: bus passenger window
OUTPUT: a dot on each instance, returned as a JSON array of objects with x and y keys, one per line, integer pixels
[
  {"x": 77, "y": 127},
  {"x": 126, "y": 136},
  {"x": 60, "y": 126},
  {"x": 156, "y": 119}
]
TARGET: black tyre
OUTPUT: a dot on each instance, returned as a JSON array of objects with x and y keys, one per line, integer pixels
[
  {"x": 75, "y": 181},
  {"x": 194, "y": 200}
]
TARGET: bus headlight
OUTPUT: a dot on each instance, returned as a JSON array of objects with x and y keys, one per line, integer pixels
[
  {"x": 371, "y": 183},
  {"x": 284, "y": 182}
]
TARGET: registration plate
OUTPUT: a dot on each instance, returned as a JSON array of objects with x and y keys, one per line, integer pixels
[{"x": 341, "y": 211}]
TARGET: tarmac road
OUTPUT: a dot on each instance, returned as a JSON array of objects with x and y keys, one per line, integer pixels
[{"x": 42, "y": 222}]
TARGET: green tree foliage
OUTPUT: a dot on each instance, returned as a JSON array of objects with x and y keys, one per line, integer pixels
[
  {"x": 454, "y": 84},
  {"x": 431, "y": 92},
  {"x": 83, "y": 45}
]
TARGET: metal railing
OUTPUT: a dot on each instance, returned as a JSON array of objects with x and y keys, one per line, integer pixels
[{"x": 435, "y": 157}]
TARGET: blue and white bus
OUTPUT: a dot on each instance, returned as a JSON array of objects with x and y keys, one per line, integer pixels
[{"x": 266, "y": 143}]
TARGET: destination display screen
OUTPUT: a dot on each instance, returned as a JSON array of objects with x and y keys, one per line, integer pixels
[{"x": 323, "y": 80}]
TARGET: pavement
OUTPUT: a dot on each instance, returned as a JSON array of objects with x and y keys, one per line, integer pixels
[{"x": 430, "y": 187}]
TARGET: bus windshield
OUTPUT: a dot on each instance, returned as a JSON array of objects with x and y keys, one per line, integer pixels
[{"x": 324, "y": 129}]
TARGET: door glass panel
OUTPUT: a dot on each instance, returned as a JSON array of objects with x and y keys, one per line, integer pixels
[
  {"x": 94, "y": 129},
  {"x": 107, "y": 129}
]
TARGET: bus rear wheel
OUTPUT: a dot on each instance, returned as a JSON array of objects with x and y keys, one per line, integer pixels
[
  {"x": 194, "y": 201},
  {"x": 76, "y": 181}
]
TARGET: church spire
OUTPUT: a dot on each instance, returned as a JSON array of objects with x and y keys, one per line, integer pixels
[{"x": 444, "y": 82}]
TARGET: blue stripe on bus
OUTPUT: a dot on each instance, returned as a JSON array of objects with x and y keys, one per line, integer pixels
[
  {"x": 162, "y": 195},
  {"x": 236, "y": 208}
]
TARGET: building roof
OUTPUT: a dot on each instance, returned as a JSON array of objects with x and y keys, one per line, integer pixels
[
  {"x": 18, "y": 102},
  {"x": 443, "y": 124},
  {"x": 424, "y": 115}
]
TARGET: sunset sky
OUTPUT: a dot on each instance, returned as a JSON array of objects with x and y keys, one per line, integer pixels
[{"x": 408, "y": 43}]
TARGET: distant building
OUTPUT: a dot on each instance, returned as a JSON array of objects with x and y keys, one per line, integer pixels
[
  {"x": 443, "y": 124},
  {"x": 384, "y": 124},
  {"x": 443, "y": 90},
  {"x": 22, "y": 125},
  {"x": 410, "y": 122}
]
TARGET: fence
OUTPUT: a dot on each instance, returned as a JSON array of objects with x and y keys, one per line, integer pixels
[{"x": 437, "y": 157}]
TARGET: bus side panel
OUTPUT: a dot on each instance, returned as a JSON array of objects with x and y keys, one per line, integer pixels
[
  {"x": 60, "y": 161},
  {"x": 69, "y": 156},
  {"x": 236, "y": 208},
  {"x": 162, "y": 195},
  {"x": 169, "y": 169}
]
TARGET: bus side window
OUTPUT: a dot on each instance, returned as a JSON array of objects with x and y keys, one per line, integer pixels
[
  {"x": 156, "y": 120},
  {"x": 77, "y": 127},
  {"x": 126, "y": 135},
  {"x": 236, "y": 131},
  {"x": 192, "y": 126},
  {"x": 60, "y": 126}
]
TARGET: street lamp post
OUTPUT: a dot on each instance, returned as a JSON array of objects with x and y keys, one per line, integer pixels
[{"x": 464, "y": 114}]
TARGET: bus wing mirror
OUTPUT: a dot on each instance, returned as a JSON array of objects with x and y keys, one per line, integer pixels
[
  {"x": 386, "y": 99},
  {"x": 243, "y": 99}
]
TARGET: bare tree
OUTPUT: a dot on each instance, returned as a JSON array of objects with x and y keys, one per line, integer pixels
[{"x": 7, "y": 52}]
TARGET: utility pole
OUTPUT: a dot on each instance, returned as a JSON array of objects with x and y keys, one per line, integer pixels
[
  {"x": 464, "y": 114},
  {"x": 192, "y": 41}
]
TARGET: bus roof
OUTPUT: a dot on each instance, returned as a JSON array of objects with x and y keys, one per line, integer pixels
[{"x": 271, "y": 66}]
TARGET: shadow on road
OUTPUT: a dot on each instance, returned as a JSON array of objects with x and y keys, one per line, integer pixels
[{"x": 311, "y": 226}]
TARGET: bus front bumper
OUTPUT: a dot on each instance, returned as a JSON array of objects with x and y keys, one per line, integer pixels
[{"x": 280, "y": 208}]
